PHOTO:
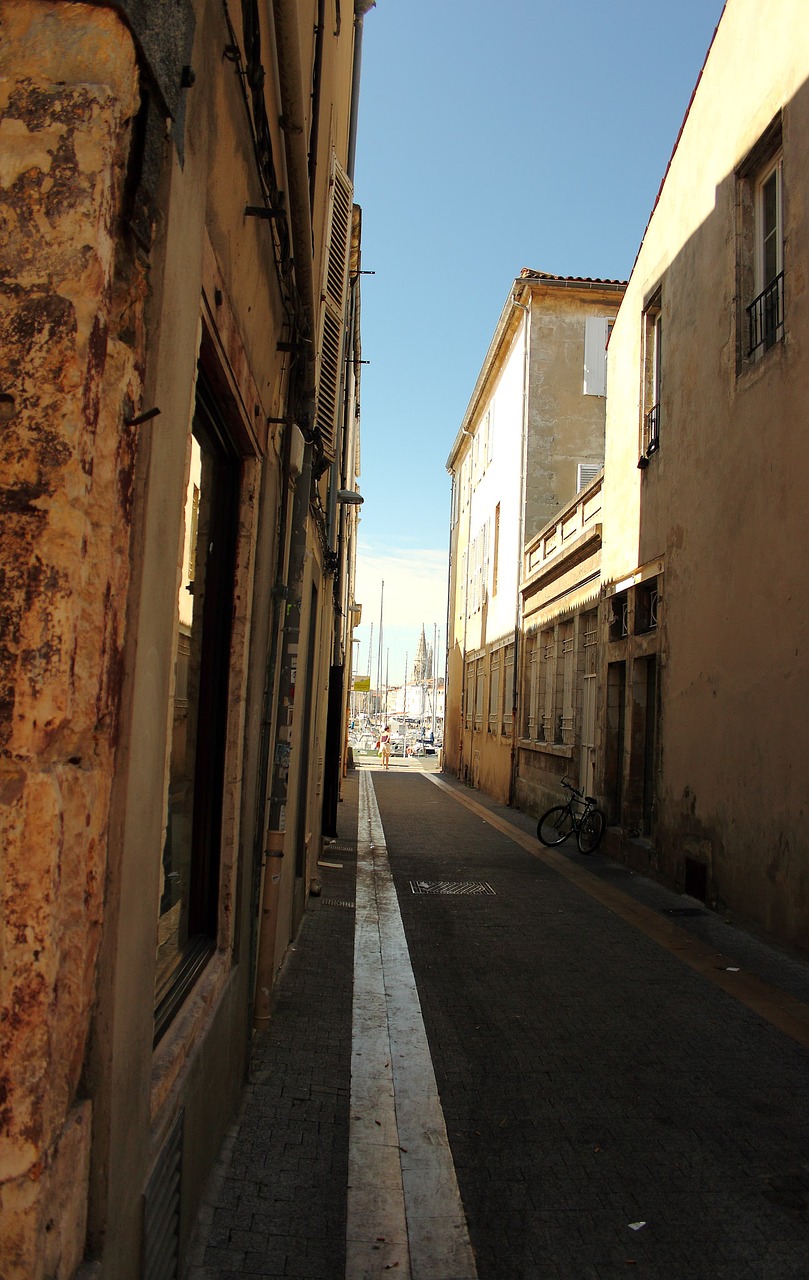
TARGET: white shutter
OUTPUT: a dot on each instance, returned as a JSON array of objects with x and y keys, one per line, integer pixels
[
  {"x": 332, "y": 325},
  {"x": 585, "y": 472},
  {"x": 595, "y": 355}
]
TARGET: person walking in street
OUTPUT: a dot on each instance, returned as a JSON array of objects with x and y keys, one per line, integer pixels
[{"x": 384, "y": 746}]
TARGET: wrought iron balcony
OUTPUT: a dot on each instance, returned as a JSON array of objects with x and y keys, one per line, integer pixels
[
  {"x": 766, "y": 316},
  {"x": 651, "y": 430}
]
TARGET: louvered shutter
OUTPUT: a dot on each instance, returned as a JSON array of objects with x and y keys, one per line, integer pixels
[
  {"x": 585, "y": 472},
  {"x": 595, "y": 356},
  {"x": 335, "y": 286}
]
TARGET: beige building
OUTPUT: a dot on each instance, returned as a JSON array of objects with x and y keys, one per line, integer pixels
[
  {"x": 180, "y": 337},
  {"x": 531, "y": 438},
  {"x": 704, "y": 676}
]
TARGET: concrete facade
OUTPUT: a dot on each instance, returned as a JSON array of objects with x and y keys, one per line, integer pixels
[
  {"x": 533, "y": 430},
  {"x": 179, "y": 304}
]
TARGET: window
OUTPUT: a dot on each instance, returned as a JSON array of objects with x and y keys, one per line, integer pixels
[
  {"x": 496, "y": 552},
  {"x": 760, "y": 254},
  {"x": 585, "y": 472},
  {"x": 494, "y": 694},
  {"x": 508, "y": 688},
  {"x": 548, "y": 684},
  {"x": 479, "y": 694},
  {"x": 766, "y": 311},
  {"x": 533, "y": 711},
  {"x": 567, "y": 717},
  {"x": 619, "y": 616},
  {"x": 335, "y": 285},
  {"x": 646, "y": 606},
  {"x": 596, "y": 334},
  {"x": 189, "y": 895},
  {"x": 479, "y": 568},
  {"x": 652, "y": 378},
  {"x": 470, "y": 693}
]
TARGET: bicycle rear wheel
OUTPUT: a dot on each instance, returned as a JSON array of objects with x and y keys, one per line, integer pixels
[
  {"x": 591, "y": 831},
  {"x": 555, "y": 825}
]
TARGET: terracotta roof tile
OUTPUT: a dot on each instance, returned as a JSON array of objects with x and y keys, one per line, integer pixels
[{"x": 528, "y": 273}]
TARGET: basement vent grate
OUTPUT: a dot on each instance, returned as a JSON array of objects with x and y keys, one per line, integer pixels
[
  {"x": 338, "y": 902},
  {"x": 340, "y": 846},
  {"x": 468, "y": 888},
  {"x": 684, "y": 911},
  {"x": 161, "y": 1211}
]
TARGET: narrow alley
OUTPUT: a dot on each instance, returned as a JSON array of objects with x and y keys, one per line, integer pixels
[{"x": 489, "y": 1059}]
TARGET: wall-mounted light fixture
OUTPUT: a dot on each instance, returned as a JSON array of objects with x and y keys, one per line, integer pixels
[{"x": 350, "y": 498}]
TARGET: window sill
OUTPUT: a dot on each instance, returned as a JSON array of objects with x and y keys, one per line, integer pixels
[
  {"x": 562, "y": 749},
  {"x": 754, "y": 366}
]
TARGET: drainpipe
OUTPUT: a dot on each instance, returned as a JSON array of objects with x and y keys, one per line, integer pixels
[
  {"x": 446, "y": 645},
  {"x": 317, "y": 79},
  {"x": 515, "y": 701},
  {"x": 336, "y": 521},
  {"x": 293, "y": 121},
  {"x": 290, "y": 598},
  {"x": 361, "y": 7},
  {"x": 466, "y": 624}
]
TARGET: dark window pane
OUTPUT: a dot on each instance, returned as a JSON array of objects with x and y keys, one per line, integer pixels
[{"x": 189, "y": 890}]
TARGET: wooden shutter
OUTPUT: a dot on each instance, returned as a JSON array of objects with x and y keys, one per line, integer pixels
[
  {"x": 335, "y": 291},
  {"x": 595, "y": 355}
]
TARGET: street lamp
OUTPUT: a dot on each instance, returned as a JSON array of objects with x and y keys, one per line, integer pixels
[{"x": 350, "y": 498}]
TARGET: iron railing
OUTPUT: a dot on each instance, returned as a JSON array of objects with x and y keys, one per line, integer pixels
[
  {"x": 766, "y": 316},
  {"x": 651, "y": 430}
]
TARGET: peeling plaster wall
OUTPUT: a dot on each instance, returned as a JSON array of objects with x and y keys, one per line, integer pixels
[{"x": 70, "y": 333}]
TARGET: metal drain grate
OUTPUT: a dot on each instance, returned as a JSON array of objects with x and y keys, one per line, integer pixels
[
  {"x": 337, "y": 902},
  {"x": 340, "y": 846},
  {"x": 684, "y": 911},
  {"x": 459, "y": 887}
]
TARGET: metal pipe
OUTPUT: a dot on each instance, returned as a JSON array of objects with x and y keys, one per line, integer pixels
[
  {"x": 515, "y": 702},
  {"x": 293, "y": 120}
]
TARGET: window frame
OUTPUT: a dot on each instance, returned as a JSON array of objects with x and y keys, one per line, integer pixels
[
  {"x": 760, "y": 303},
  {"x": 494, "y": 692},
  {"x": 199, "y": 898},
  {"x": 651, "y": 377}
]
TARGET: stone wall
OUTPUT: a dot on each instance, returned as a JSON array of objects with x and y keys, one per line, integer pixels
[{"x": 71, "y": 344}]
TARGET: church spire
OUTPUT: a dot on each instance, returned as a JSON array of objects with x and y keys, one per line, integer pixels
[{"x": 420, "y": 673}]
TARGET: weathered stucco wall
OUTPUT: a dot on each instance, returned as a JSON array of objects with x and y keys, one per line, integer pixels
[
  {"x": 723, "y": 500},
  {"x": 70, "y": 332},
  {"x": 566, "y": 427}
]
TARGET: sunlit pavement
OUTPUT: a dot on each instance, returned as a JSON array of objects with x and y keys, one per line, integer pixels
[{"x": 613, "y": 1093}]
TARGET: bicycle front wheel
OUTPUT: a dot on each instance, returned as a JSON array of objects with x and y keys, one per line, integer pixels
[
  {"x": 555, "y": 825},
  {"x": 591, "y": 831}
]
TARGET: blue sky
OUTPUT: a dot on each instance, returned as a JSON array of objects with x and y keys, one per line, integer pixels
[{"x": 491, "y": 138}]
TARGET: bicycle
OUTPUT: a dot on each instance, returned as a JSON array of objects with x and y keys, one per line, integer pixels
[{"x": 581, "y": 814}]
